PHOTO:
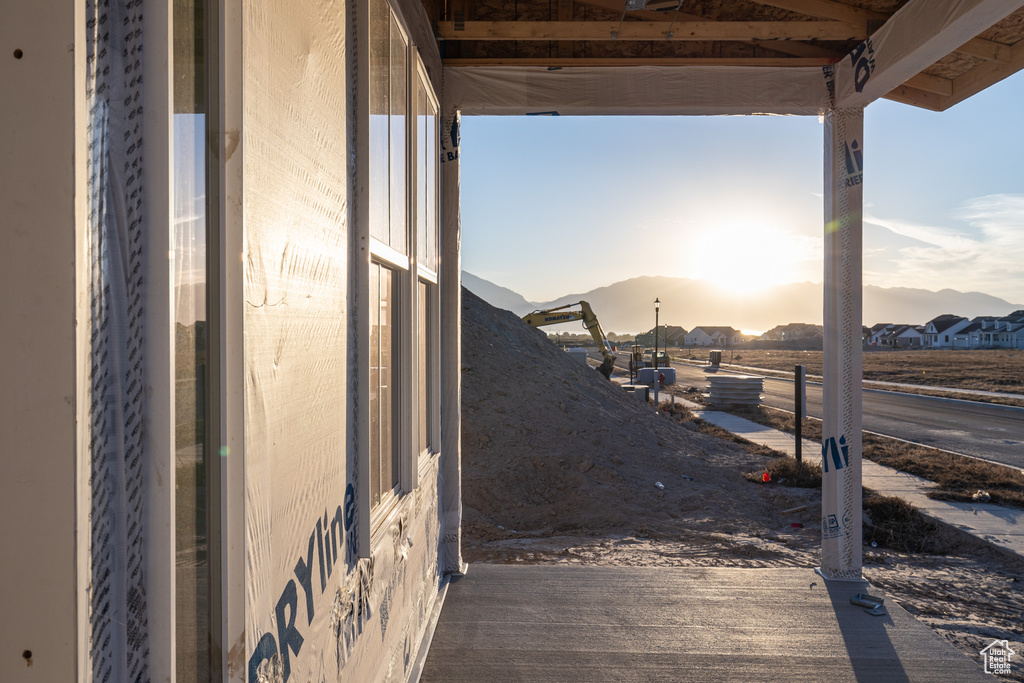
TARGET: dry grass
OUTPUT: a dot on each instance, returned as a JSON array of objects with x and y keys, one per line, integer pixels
[
  {"x": 958, "y": 478},
  {"x": 896, "y": 524},
  {"x": 999, "y": 370},
  {"x": 788, "y": 472}
]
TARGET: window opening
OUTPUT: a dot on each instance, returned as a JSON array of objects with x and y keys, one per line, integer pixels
[
  {"x": 189, "y": 278},
  {"x": 384, "y": 407}
]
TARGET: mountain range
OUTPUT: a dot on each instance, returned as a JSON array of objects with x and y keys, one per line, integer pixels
[{"x": 628, "y": 306}]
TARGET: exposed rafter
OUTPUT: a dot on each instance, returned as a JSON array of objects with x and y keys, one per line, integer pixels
[
  {"x": 645, "y": 30},
  {"x": 827, "y": 9},
  {"x": 984, "y": 75},
  {"x": 565, "y": 14},
  {"x": 617, "y": 6},
  {"x": 932, "y": 84},
  {"x": 636, "y": 61},
  {"x": 988, "y": 50},
  {"x": 918, "y": 98},
  {"x": 799, "y": 49}
]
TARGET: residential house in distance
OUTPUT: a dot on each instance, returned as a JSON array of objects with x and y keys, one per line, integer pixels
[
  {"x": 939, "y": 332},
  {"x": 989, "y": 332},
  {"x": 901, "y": 336},
  {"x": 668, "y": 335},
  {"x": 792, "y": 331},
  {"x": 908, "y": 337},
  {"x": 874, "y": 335},
  {"x": 713, "y": 336},
  {"x": 673, "y": 335}
]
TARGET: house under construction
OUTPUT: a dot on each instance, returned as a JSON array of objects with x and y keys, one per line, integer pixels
[{"x": 230, "y": 257}]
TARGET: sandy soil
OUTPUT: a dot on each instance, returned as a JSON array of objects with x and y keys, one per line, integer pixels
[{"x": 561, "y": 466}]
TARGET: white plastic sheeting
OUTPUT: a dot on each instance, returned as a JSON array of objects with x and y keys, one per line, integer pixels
[
  {"x": 451, "y": 344},
  {"x": 321, "y": 604},
  {"x": 918, "y": 35},
  {"x": 841, "y": 530},
  {"x": 650, "y": 90}
]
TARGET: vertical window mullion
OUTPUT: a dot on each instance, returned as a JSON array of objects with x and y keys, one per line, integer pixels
[{"x": 374, "y": 408}]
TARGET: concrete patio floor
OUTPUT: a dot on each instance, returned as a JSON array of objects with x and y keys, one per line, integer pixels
[{"x": 578, "y": 623}]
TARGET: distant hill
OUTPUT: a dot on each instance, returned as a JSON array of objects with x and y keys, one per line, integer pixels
[
  {"x": 497, "y": 296},
  {"x": 628, "y": 306}
]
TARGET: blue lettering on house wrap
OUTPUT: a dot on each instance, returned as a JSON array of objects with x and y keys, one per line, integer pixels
[
  {"x": 326, "y": 537},
  {"x": 839, "y": 452},
  {"x": 863, "y": 60}
]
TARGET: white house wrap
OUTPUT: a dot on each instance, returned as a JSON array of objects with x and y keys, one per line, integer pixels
[
  {"x": 841, "y": 388},
  {"x": 648, "y": 90},
  {"x": 451, "y": 343}
]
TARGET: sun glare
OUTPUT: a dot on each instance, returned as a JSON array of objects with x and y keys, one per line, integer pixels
[{"x": 747, "y": 257}]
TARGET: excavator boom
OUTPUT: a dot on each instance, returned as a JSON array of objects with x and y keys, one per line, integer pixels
[{"x": 559, "y": 314}]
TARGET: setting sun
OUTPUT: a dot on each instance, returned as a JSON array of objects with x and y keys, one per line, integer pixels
[{"x": 746, "y": 257}]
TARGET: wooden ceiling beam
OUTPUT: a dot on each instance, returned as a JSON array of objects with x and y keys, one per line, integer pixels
[
  {"x": 970, "y": 83},
  {"x": 741, "y": 31},
  {"x": 565, "y": 13},
  {"x": 918, "y": 98},
  {"x": 558, "y": 62},
  {"x": 799, "y": 49},
  {"x": 987, "y": 74},
  {"x": 933, "y": 84},
  {"x": 827, "y": 9},
  {"x": 988, "y": 50},
  {"x": 618, "y": 6},
  {"x": 786, "y": 47}
]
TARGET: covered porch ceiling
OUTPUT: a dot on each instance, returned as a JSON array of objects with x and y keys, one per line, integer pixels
[{"x": 775, "y": 34}]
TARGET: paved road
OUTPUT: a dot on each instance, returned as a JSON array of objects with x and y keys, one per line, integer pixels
[{"x": 983, "y": 430}]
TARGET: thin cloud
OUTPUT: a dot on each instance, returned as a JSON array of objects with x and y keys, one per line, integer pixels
[{"x": 986, "y": 254}]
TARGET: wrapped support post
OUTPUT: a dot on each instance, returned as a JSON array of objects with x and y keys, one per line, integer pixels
[
  {"x": 841, "y": 495},
  {"x": 451, "y": 347}
]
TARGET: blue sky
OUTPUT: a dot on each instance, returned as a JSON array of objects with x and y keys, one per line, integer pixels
[{"x": 556, "y": 205}]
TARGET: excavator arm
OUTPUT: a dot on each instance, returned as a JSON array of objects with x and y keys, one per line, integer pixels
[{"x": 559, "y": 314}]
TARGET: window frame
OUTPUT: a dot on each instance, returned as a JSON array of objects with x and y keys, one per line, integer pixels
[
  {"x": 371, "y": 252},
  {"x": 425, "y": 274},
  {"x": 390, "y": 256}
]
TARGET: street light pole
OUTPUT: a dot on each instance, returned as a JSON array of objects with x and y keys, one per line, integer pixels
[{"x": 657, "y": 305}]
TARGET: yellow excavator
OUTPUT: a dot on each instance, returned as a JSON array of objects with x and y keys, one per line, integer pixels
[{"x": 554, "y": 316}]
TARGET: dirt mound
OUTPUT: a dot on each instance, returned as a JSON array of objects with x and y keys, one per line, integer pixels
[
  {"x": 551, "y": 446},
  {"x": 567, "y": 462}
]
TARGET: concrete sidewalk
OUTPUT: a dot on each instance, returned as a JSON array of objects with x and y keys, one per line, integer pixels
[
  {"x": 591, "y": 624},
  {"x": 1000, "y": 526}
]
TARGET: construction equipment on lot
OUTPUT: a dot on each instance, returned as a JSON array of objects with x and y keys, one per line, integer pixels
[
  {"x": 659, "y": 359},
  {"x": 559, "y": 314}
]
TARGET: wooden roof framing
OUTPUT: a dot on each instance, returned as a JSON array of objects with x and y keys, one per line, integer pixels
[{"x": 768, "y": 33}]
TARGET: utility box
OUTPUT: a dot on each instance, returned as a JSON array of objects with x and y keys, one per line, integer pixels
[
  {"x": 641, "y": 391},
  {"x": 578, "y": 354},
  {"x": 715, "y": 358},
  {"x": 649, "y": 376}
]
